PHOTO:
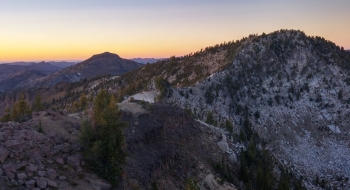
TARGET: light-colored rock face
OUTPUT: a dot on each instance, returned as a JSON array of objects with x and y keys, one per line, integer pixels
[
  {"x": 147, "y": 96},
  {"x": 40, "y": 160},
  {"x": 296, "y": 90}
]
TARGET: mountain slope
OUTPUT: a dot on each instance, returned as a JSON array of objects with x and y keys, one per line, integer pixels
[
  {"x": 295, "y": 91},
  {"x": 167, "y": 147},
  {"x": 18, "y": 79},
  {"x": 13, "y": 75},
  {"x": 97, "y": 65},
  {"x": 179, "y": 71}
]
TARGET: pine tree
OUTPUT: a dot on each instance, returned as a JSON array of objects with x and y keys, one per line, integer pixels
[
  {"x": 38, "y": 106},
  {"x": 102, "y": 139},
  {"x": 7, "y": 116},
  {"x": 284, "y": 181},
  {"x": 83, "y": 101},
  {"x": 229, "y": 126},
  {"x": 210, "y": 118},
  {"x": 21, "y": 110}
]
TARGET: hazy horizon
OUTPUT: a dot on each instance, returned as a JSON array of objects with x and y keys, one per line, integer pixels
[
  {"x": 76, "y": 30},
  {"x": 77, "y": 61}
]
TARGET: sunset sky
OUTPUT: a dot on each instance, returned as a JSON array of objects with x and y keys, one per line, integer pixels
[{"x": 39, "y": 30}]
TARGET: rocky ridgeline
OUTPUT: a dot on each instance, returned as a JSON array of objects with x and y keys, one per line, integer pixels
[{"x": 46, "y": 157}]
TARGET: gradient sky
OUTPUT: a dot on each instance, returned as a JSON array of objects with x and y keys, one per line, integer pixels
[{"x": 38, "y": 30}]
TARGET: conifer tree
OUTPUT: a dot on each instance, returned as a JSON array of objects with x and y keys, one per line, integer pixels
[
  {"x": 7, "y": 116},
  {"x": 38, "y": 106},
  {"x": 21, "y": 110},
  {"x": 83, "y": 101},
  {"x": 102, "y": 138}
]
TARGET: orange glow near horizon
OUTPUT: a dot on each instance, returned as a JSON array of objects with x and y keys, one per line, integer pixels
[
  {"x": 65, "y": 30},
  {"x": 81, "y": 54}
]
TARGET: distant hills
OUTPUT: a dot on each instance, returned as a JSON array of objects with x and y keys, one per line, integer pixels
[
  {"x": 100, "y": 64},
  {"x": 146, "y": 60},
  {"x": 13, "y": 74},
  {"x": 44, "y": 74},
  {"x": 60, "y": 64},
  {"x": 27, "y": 74}
]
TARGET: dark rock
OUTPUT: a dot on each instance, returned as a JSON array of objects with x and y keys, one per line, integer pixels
[
  {"x": 41, "y": 182},
  {"x": 13, "y": 144},
  {"x": 65, "y": 147},
  {"x": 10, "y": 174},
  {"x": 8, "y": 168},
  {"x": 4, "y": 153},
  {"x": 32, "y": 168},
  {"x": 30, "y": 183},
  {"x": 21, "y": 176},
  {"x": 51, "y": 173},
  {"x": 51, "y": 183},
  {"x": 46, "y": 150},
  {"x": 41, "y": 173},
  {"x": 62, "y": 178},
  {"x": 60, "y": 161},
  {"x": 74, "y": 160}
]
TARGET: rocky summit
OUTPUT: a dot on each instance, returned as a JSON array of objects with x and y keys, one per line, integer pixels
[{"x": 295, "y": 91}]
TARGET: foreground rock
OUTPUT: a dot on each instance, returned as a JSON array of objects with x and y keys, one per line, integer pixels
[
  {"x": 43, "y": 158},
  {"x": 165, "y": 146}
]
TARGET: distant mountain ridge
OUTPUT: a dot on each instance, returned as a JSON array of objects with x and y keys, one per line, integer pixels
[
  {"x": 13, "y": 75},
  {"x": 61, "y": 64},
  {"x": 97, "y": 65},
  {"x": 19, "y": 75}
]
